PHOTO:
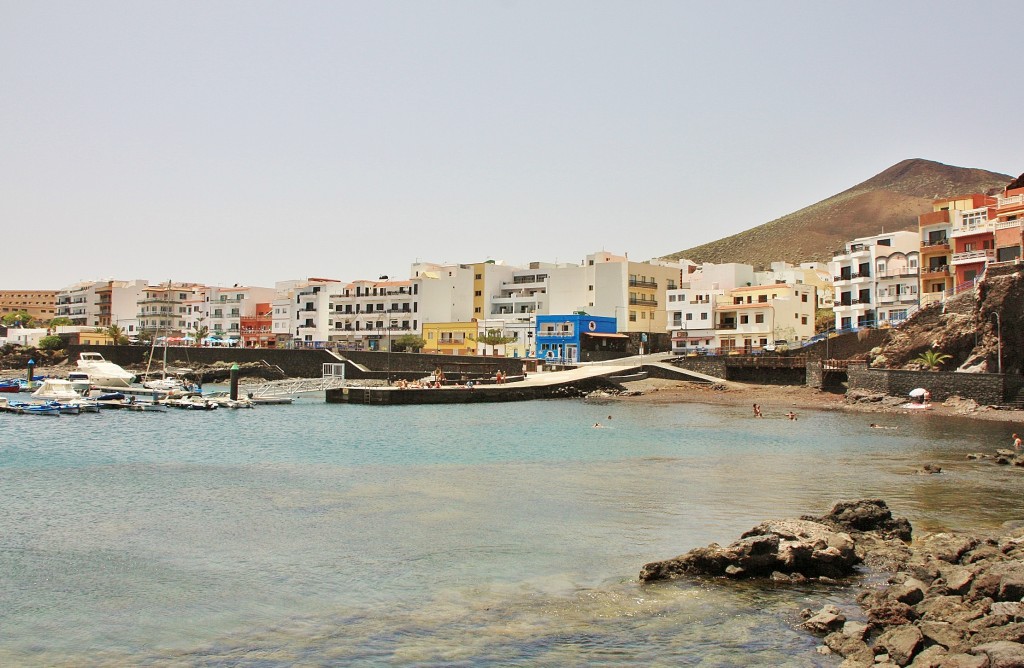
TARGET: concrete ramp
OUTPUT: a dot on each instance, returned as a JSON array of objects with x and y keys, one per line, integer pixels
[
  {"x": 686, "y": 374},
  {"x": 342, "y": 358}
]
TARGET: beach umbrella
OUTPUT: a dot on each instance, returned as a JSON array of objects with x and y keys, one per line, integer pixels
[{"x": 919, "y": 392}]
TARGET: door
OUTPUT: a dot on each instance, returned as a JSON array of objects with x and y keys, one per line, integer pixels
[{"x": 570, "y": 353}]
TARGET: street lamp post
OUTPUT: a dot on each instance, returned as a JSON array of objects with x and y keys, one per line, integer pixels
[{"x": 999, "y": 343}]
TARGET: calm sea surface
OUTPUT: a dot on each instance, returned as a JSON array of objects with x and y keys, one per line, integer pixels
[{"x": 492, "y": 534}]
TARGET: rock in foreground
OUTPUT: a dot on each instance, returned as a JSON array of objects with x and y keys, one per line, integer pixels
[{"x": 795, "y": 548}]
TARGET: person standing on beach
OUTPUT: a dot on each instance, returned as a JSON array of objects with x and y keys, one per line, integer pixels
[
  {"x": 757, "y": 411},
  {"x": 1016, "y": 442}
]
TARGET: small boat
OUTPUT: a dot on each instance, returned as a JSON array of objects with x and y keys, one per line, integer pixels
[
  {"x": 65, "y": 409},
  {"x": 86, "y": 405},
  {"x": 191, "y": 403},
  {"x": 31, "y": 409},
  {"x": 224, "y": 400},
  {"x": 169, "y": 384},
  {"x": 10, "y": 386},
  {"x": 111, "y": 396},
  {"x": 56, "y": 389}
]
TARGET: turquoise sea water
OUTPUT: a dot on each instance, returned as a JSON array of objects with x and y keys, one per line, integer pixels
[{"x": 491, "y": 534}]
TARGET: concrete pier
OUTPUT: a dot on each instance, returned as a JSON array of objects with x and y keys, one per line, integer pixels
[{"x": 575, "y": 382}]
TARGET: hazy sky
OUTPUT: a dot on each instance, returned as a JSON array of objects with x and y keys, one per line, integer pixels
[{"x": 250, "y": 141}]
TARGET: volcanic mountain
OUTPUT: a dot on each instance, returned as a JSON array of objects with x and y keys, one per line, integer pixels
[{"x": 889, "y": 201}]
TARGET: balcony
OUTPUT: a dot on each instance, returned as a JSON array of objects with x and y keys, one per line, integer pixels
[
  {"x": 636, "y": 283},
  {"x": 971, "y": 257},
  {"x": 852, "y": 277},
  {"x": 551, "y": 333},
  {"x": 1014, "y": 201},
  {"x": 935, "y": 272},
  {"x": 938, "y": 244},
  {"x": 1008, "y": 224},
  {"x": 637, "y": 301},
  {"x": 979, "y": 227},
  {"x": 854, "y": 249}
]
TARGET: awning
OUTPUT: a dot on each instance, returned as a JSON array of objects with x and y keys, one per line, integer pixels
[{"x": 602, "y": 335}]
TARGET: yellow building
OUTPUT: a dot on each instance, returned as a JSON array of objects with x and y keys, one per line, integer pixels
[{"x": 450, "y": 338}]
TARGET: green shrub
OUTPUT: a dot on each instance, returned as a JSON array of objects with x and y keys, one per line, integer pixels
[{"x": 52, "y": 342}]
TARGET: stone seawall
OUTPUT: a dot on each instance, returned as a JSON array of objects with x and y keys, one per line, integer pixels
[
  {"x": 985, "y": 388},
  {"x": 294, "y": 363},
  {"x": 308, "y": 363}
]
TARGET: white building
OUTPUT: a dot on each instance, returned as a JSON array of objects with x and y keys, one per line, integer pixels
[
  {"x": 102, "y": 303},
  {"x": 369, "y": 314},
  {"x": 691, "y": 317},
  {"x": 876, "y": 280}
]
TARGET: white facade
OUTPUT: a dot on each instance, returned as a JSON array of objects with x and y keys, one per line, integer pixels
[
  {"x": 369, "y": 314},
  {"x": 762, "y": 316},
  {"x": 445, "y": 292},
  {"x": 876, "y": 280},
  {"x": 691, "y": 313}
]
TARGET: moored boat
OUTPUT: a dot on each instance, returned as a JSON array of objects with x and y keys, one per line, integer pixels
[
  {"x": 102, "y": 372},
  {"x": 56, "y": 389}
]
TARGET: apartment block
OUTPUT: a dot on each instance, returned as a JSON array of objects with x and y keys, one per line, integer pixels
[
  {"x": 40, "y": 304},
  {"x": 876, "y": 280}
]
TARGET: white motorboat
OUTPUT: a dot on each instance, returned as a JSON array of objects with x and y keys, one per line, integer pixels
[
  {"x": 80, "y": 382},
  {"x": 104, "y": 373},
  {"x": 55, "y": 389},
  {"x": 168, "y": 384}
]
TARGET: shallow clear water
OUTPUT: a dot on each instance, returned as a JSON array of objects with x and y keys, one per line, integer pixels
[{"x": 491, "y": 534}]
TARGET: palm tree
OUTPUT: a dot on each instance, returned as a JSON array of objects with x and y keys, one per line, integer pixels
[
  {"x": 117, "y": 335},
  {"x": 932, "y": 359},
  {"x": 201, "y": 333}
]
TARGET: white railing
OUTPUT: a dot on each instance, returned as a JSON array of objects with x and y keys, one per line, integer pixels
[
  {"x": 972, "y": 228},
  {"x": 974, "y": 256},
  {"x": 1009, "y": 201},
  {"x": 1007, "y": 224}
]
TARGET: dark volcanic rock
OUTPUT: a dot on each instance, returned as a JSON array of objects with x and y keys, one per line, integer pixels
[
  {"x": 769, "y": 549},
  {"x": 866, "y": 515}
]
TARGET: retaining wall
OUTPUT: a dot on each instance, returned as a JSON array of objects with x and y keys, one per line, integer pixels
[{"x": 985, "y": 388}]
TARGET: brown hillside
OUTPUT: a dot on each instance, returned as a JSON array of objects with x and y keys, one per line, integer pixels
[{"x": 890, "y": 201}]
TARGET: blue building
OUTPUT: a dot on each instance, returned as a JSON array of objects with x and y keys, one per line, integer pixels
[{"x": 578, "y": 337}]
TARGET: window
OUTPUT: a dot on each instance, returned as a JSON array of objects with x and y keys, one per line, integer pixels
[
  {"x": 632, "y": 316},
  {"x": 477, "y": 277},
  {"x": 689, "y": 316},
  {"x": 762, "y": 299},
  {"x": 477, "y": 293},
  {"x": 743, "y": 319},
  {"x": 803, "y": 320},
  {"x": 803, "y": 297},
  {"x": 590, "y": 288},
  {"x": 704, "y": 316},
  {"x": 759, "y": 317}
]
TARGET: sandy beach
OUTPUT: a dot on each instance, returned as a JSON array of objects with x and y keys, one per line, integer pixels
[{"x": 780, "y": 399}]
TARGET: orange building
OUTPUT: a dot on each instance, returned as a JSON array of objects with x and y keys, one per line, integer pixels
[
  {"x": 257, "y": 330},
  {"x": 1009, "y": 214},
  {"x": 40, "y": 304}
]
